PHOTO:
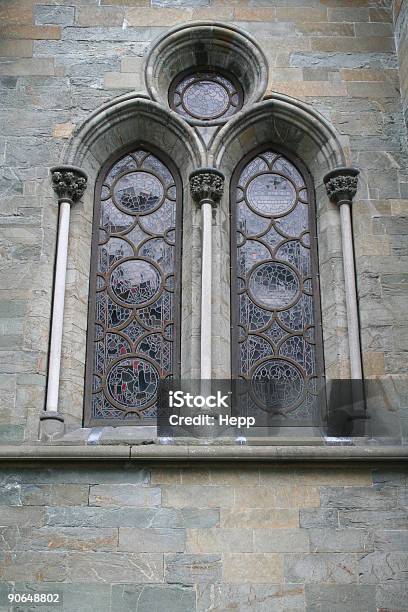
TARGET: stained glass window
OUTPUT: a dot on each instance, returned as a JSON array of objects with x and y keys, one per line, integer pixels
[
  {"x": 206, "y": 96},
  {"x": 275, "y": 299},
  {"x": 135, "y": 297}
]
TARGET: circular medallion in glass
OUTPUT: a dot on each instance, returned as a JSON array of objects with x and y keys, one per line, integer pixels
[
  {"x": 271, "y": 194},
  {"x": 278, "y": 384},
  {"x": 138, "y": 192},
  {"x": 206, "y": 99},
  {"x": 135, "y": 282},
  {"x": 205, "y": 96},
  {"x": 132, "y": 382},
  {"x": 273, "y": 285}
]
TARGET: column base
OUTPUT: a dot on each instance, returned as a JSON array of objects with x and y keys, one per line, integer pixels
[{"x": 52, "y": 426}]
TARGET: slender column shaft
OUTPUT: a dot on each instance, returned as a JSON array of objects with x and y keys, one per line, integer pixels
[
  {"x": 350, "y": 290},
  {"x": 206, "y": 277},
  {"x": 69, "y": 183},
  {"x": 207, "y": 185},
  {"x": 58, "y": 307},
  {"x": 341, "y": 186}
]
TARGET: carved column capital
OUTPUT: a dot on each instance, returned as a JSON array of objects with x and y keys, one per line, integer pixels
[
  {"x": 341, "y": 184},
  {"x": 68, "y": 182},
  {"x": 207, "y": 185}
]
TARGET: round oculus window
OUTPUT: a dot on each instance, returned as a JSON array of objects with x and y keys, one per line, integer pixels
[{"x": 206, "y": 96}]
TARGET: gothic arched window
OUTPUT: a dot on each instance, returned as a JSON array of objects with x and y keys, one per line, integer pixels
[
  {"x": 275, "y": 289},
  {"x": 134, "y": 311}
]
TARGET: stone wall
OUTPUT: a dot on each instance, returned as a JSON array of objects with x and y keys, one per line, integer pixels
[
  {"x": 206, "y": 538},
  {"x": 401, "y": 39}
]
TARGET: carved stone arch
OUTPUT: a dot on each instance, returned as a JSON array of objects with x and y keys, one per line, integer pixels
[
  {"x": 294, "y": 126},
  {"x": 126, "y": 120}
]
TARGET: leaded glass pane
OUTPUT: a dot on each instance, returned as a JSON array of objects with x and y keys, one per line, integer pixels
[
  {"x": 276, "y": 306},
  {"x": 206, "y": 96},
  {"x": 135, "y": 277}
]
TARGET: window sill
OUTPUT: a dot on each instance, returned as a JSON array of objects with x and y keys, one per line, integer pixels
[{"x": 189, "y": 452}]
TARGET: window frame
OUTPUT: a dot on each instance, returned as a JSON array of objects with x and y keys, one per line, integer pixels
[
  {"x": 87, "y": 419},
  {"x": 314, "y": 260}
]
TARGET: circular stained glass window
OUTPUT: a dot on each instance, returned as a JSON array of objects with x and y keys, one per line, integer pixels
[
  {"x": 273, "y": 285},
  {"x": 271, "y": 194},
  {"x": 206, "y": 96},
  {"x": 138, "y": 192},
  {"x": 132, "y": 382},
  {"x": 135, "y": 282}
]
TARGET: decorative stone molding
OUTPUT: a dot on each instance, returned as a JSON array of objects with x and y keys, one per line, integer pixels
[
  {"x": 68, "y": 182},
  {"x": 341, "y": 184},
  {"x": 212, "y": 44},
  {"x": 207, "y": 184}
]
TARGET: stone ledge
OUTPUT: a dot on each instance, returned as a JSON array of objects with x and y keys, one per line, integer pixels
[{"x": 156, "y": 452}]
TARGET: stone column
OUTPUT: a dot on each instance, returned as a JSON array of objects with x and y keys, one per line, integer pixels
[
  {"x": 69, "y": 183},
  {"x": 207, "y": 186},
  {"x": 341, "y": 186}
]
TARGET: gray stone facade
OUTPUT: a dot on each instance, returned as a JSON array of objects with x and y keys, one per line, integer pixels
[{"x": 332, "y": 86}]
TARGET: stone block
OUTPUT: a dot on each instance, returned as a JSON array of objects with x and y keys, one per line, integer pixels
[
  {"x": 305, "y": 89},
  {"x": 250, "y": 567},
  {"x": 165, "y": 475},
  {"x": 54, "y": 495},
  {"x": 10, "y": 494},
  {"x": 116, "y": 567},
  {"x": 27, "y": 67},
  {"x": 126, "y": 2},
  {"x": 16, "y": 48},
  {"x": 374, "y": 29},
  {"x": 255, "y": 14},
  {"x": 391, "y": 540},
  {"x": 63, "y": 130},
  {"x": 321, "y": 519},
  {"x": 380, "y": 566},
  {"x": 181, "y": 3},
  {"x": 315, "y": 476},
  {"x": 387, "y": 519},
  {"x": 321, "y": 567},
  {"x": 344, "y": 44},
  {"x": 61, "y": 539},
  {"x": 129, "y": 517},
  {"x": 261, "y": 518},
  {"x": 340, "y": 540},
  {"x": 83, "y": 473},
  {"x": 307, "y": 28},
  {"x": 201, "y": 496},
  {"x": 219, "y": 540},
  {"x": 99, "y": 33},
  {"x": 34, "y": 566},
  {"x": 356, "y": 498},
  {"x": 192, "y": 569},
  {"x": 392, "y": 596},
  {"x": 281, "y": 540},
  {"x": 348, "y": 14},
  {"x": 30, "y": 32},
  {"x": 16, "y": 12},
  {"x": 22, "y": 517},
  {"x": 380, "y": 15},
  {"x": 84, "y": 597},
  {"x": 108, "y": 16},
  {"x": 278, "y": 497},
  {"x": 132, "y": 64},
  {"x": 151, "y": 540},
  {"x": 127, "y": 80},
  {"x": 340, "y": 597},
  {"x": 250, "y": 597},
  {"x": 147, "y": 598},
  {"x": 338, "y": 60},
  {"x": 124, "y": 495},
  {"x": 54, "y": 15},
  {"x": 299, "y": 13}
]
